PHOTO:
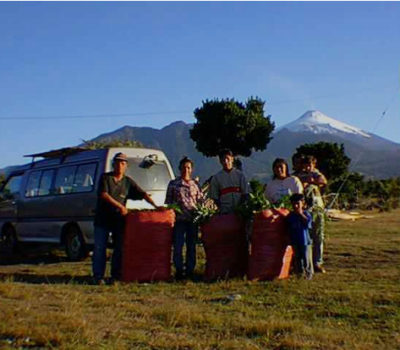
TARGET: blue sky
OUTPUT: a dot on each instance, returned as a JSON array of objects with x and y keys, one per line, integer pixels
[{"x": 73, "y": 70}]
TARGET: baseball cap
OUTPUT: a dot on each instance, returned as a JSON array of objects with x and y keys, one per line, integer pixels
[{"x": 121, "y": 157}]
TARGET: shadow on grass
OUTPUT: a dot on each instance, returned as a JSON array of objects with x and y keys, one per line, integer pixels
[
  {"x": 38, "y": 255},
  {"x": 32, "y": 259}
]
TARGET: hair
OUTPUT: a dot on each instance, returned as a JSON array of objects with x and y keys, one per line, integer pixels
[
  {"x": 310, "y": 159},
  {"x": 185, "y": 160},
  {"x": 297, "y": 156},
  {"x": 224, "y": 152},
  {"x": 296, "y": 197},
  {"x": 280, "y": 161}
]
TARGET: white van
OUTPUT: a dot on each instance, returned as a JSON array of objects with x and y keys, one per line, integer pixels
[{"x": 53, "y": 200}]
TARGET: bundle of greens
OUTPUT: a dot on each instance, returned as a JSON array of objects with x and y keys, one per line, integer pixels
[
  {"x": 284, "y": 202},
  {"x": 255, "y": 202},
  {"x": 204, "y": 211},
  {"x": 175, "y": 207}
]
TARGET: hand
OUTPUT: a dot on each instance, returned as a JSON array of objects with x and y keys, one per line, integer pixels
[{"x": 123, "y": 211}]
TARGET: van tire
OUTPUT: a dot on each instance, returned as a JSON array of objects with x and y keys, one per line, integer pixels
[
  {"x": 75, "y": 247},
  {"x": 8, "y": 241}
]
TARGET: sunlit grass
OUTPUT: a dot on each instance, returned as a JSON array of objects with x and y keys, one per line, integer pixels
[{"x": 356, "y": 305}]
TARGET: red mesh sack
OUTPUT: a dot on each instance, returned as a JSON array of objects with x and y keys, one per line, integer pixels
[
  {"x": 147, "y": 246},
  {"x": 225, "y": 245},
  {"x": 270, "y": 253}
]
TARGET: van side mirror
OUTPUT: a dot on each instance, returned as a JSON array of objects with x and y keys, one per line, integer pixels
[{"x": 148, "y": 161}]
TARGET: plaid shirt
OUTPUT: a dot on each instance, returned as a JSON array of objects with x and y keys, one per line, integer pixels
[{"x": 186, "y": 194}]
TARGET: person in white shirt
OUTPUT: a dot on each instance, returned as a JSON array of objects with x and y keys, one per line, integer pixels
[{"x": 282, "y": 184}]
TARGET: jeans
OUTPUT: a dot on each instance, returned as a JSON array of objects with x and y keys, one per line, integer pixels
[
  {"x": 317, "y": 235},
  {"x": 303, "y": 260},
  {"x": 99, "y": 252},
  {"x": 185, "y": 231}
]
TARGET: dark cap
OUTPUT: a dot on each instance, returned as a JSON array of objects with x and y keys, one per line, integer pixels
[
  {"x": 121, "y": 157},
  {"x": 296, "y": 197}
]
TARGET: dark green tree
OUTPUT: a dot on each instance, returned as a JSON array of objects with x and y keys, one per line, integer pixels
[
  {"x": 331, "y": 158},
  {"x": 231, "y": 124}
]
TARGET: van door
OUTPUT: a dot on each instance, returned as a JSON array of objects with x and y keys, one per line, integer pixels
[{"x": 35, "y": 223}]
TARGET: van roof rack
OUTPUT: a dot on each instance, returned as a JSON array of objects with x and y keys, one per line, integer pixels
[{"x": 62, "y": 152}]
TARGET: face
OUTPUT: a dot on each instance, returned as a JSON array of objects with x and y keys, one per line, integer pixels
[
  {"x": 227, "y": 162},
  {"x": 308, "y": 167},
  {"x": 299, "y": 205},
  {"x": 120, "y": 167},
  {"x": 186, "y": 170},
  {"x": 280, "y": 171}
]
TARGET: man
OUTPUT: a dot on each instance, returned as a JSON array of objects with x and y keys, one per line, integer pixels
[
  {"x": 114, "y": 190},
  {"x": 184, "y": 192},
  {"x": 229, "y": 187}
]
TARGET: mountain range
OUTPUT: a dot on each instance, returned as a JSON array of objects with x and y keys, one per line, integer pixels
[{"x": 373, "y": 156}]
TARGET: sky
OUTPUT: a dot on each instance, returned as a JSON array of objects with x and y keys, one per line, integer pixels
[{"x": 70, "y": 71}]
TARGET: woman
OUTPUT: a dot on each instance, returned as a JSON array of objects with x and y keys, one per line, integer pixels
[
  {"x": 282, "y": 184},
  {"x": 185, "y": 192}
]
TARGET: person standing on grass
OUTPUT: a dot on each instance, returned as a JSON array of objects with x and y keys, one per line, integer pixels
[
  {"x": 184, "y": 192},
  {"x": 229, "y": 187},
  {"x": 299, "y": 222},
  {"x": 114, "y": 190},
  {"x": 282, "y": 184},
  {"x": 314, "y": 181}
]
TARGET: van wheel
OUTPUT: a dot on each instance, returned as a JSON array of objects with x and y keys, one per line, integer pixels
[
  {"x": 75, "y": 247},
  {"x": 8, "y": 241}
]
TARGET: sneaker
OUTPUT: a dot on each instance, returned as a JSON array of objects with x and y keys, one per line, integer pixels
[
  {"x": 99, "y": 282},
  {"x": 320, "y": 269}
]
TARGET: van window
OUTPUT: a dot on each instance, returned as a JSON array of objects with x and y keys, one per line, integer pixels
[
  {"x": 32, "y": 188},
  {"x": 65, "y": 179},
  {"x": 45, "y": 182},
  {"x": 39, "y": 183},
  {"x": 153, "y": 178},
  {"x": 75, "y": 179},
  {"x": 11, "y": 188},
  {"x": 84, "y": 176}
]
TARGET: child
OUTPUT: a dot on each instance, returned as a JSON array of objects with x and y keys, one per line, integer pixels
[{"x": 299, "y": 221}]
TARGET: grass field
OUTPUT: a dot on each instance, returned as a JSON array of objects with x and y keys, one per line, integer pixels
[{"x": 46, "y": 302}]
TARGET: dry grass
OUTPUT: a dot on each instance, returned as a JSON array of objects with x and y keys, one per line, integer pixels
[{"x": 48, "y": 303}]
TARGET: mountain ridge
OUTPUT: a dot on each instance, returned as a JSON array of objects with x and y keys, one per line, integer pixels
[{"x": 371, "y": 155}]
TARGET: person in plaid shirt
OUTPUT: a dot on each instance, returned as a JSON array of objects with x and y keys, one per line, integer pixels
[{"x": 184, "y": 192}]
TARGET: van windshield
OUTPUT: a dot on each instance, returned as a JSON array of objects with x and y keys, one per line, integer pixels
[{"x": 155, "y": 178}]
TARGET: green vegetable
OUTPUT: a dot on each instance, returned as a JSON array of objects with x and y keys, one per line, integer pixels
[
  {"x": 255, "y": 202},
  {"x": 284, "y": 202},
  {"x": 175, "y": 207},
  {"x": 204, "y": 211}
]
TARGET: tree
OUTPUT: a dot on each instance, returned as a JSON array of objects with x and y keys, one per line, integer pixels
[
  {"x": 112, "y": 143},
  {"x": 331, "y": 158},
  {"x": 231, "y": 124}
]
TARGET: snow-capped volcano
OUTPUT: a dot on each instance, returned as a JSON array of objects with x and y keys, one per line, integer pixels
[{"x": 319, "y": 123}]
